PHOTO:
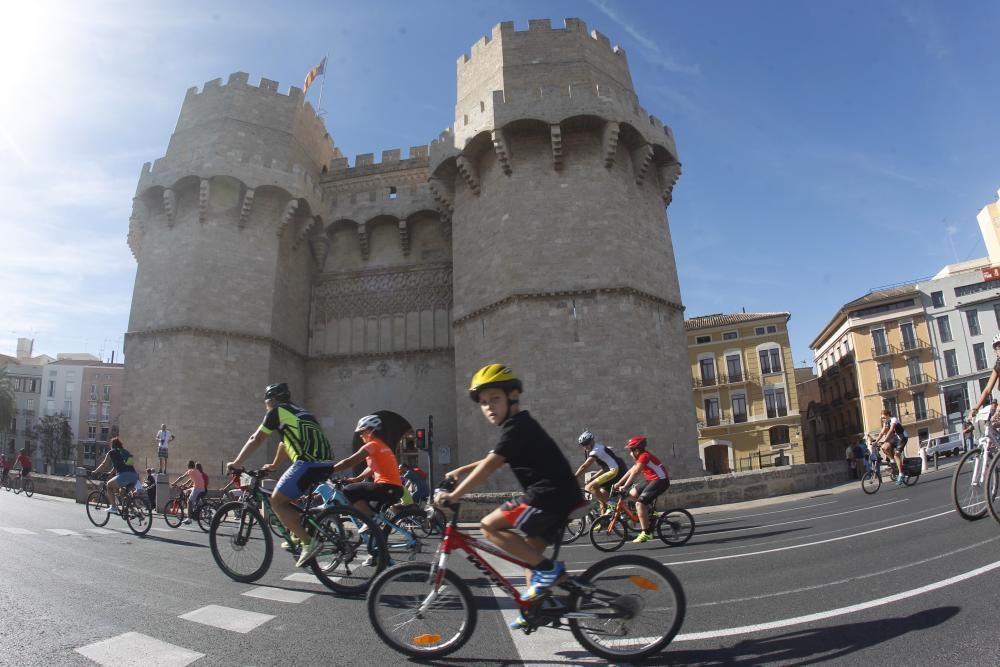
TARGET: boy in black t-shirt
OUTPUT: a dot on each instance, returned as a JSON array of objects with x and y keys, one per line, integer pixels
[{"x": 551, "y": 489}]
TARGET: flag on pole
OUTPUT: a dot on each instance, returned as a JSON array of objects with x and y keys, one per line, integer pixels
[{"x": 313, "y": 73}]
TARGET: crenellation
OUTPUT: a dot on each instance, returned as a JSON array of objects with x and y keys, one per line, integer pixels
[
  {"x": 364, "y": 159},
  {"x": 238, "y": 79},
  {"x": 536, "y": 25},
  {"x": 391, "y": 155},
  {"x": 602, "y": 39},
  {"x": 268, "y": 85}
]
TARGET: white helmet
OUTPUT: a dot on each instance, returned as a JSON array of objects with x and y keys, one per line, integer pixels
[
  {"x": 369, "y": 422},
  {"x": 586, "y": 436},
  {"x": 996, "y": 339}
]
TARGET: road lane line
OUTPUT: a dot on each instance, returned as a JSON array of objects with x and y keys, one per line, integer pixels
[
  {"x": 62, "y": 531},
  {"x": 100, "y": 531},
  {"x": 278, "y": 594},
  {"x": 133, "y": 647},
  {"x": 747, "y": 516},
  {"x": 840, "y": 611},
  {"x": 18, "y": 531},
  {"x": 811, "y": 518},
  {"x": 227, "y": 618}
]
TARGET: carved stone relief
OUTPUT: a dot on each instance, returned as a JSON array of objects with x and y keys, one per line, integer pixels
[{"x": 373, "y": 294}]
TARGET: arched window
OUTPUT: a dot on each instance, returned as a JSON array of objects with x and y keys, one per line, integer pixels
[{"x": 779, "y": 435}]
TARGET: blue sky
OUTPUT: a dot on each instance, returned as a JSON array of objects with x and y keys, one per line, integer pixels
[{"x": 828, "y": 148}]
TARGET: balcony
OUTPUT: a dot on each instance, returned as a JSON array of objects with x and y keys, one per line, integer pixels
[
  {"x": 883, "y": 351},
  {"x": 700, "y": 382},
  {"x": 885, "y": 386},
  {"x": 919, "y": 380},
  {"x": 915, "y": 344},
  {"x": 720, "y": 380},
  {"x": 926, "y": 415}
]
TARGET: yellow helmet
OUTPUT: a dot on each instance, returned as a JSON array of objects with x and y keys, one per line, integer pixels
[{"x": 494, "y": 375}]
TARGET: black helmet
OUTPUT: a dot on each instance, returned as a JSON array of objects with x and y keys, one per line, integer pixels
[{"x": 278, "y": 392}]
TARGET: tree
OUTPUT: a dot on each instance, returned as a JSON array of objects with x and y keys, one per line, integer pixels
[
  {"x": 56, "y": 438},
  {"x": 7, "y": 407}
]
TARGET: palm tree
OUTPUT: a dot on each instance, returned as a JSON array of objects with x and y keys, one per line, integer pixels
[{"x": 7, "y": 405}]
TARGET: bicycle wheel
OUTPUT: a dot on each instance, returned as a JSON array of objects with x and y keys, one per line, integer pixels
[
  {"x": 438, "y": 522},
  {"x": 138, "y": 515},
  {"x": 419, "y": 615},
  {"x": 350, "y": 558},
  {"x": 871, "y": 482},
  {"x": 991, "y": 490},
  {"x": 29, "y": 487},
  {"x": 968, "y": 484},
  {"x": 577, "y": 527},
  {"x": 173, "y": 513},
  {"x": 240, "y": 542},
  {"x": 910, "y": 480},
  {"x": 16, "y": 488},
  {"x": 635, "y": 607},
  {"x": 606, "y": 537},
  {"x": 97, "y": 508},
  {"x": 675, "y": 527},
  {"x": 413, "y": 519},
  {"x": 204, "y": 514}
]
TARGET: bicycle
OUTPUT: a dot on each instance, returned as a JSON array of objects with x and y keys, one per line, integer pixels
[
  {"x": 175, "y": 511},
  {"x": 609, "y": 531},
  {"x": 871, "y": 482},
  {"x": 968, "y": 482},
  {"x": 423, "y": 520},
  {"x": 242, "y": 545},
  {"x": 624, "y": 607},
  {"x": 132, "y": 506},
  {"x": 23, "y": 484},
  {"x": 398, "y": 532}
]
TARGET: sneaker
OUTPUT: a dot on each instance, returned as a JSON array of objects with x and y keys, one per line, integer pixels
[
  {"x": 291, "y": 544},
  {"x": 308, "y": 552},
  {"x": 543, "y": 580},
  {"x": 643, "y": 537},
  {"x": 371, "y": 561},
  {"x": 520, "y": 623},
  {"x": 186, "y": 521},
  {"x": 112, "y": 510}
]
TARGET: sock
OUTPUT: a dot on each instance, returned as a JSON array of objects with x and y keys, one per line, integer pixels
[{"x": 544, "y": 565}]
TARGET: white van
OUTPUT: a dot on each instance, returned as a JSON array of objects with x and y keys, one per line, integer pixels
[{"x": 946, "y": 444}]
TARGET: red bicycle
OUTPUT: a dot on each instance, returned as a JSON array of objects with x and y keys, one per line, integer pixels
[{"x": 622, "y": 608}]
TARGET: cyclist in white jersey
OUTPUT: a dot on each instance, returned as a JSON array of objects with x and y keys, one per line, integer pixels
[{"x": 612, "y": 468}]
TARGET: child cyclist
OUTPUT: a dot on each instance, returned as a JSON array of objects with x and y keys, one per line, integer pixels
[
  {"x": 551, "y": 490},
  {"x": 657, "y": 480}
]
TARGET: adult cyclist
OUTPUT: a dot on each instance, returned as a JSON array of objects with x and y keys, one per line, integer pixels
[
  {"x": 123, "y": 463},
  {"x": 893, "y": 438},
  {"x": 611, "y": 465},
  {"x": 305, "y": 445},
  {"x": 657, "y": 480}
]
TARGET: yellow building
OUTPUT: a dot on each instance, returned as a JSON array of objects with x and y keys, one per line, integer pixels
[
  {"x": 885, "y": 333},
  {"x": 744, "y": 391}
]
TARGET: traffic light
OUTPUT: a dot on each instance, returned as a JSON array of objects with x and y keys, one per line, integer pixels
[{"x": 420, "y": 435}]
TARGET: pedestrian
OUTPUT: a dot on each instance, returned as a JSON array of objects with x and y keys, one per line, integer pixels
[
  {"x": 860, "y": 458},
  {"x": 163, "y": 440},
  {"x": 849, "y": 457},
  {"x": 151, "y": 487},
  {"x": 968, "y": 437}
]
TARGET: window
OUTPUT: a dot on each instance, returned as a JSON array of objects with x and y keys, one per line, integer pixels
[
  {"x": 770, "y": 360},
  {"x": 15, "y": 383},
  {"x": 950, "y": 363},
  {"x": 759, "y": 331},
  {"x": 105, "y": 412},
  {"x": 770, "y": 328},
  {"x": 891, "y": 405},
  {"x": 52, "y": 388},
  {"x": 68, "y": 391},
  {"x": 701, "y": 340},
  {"x": 730, "y": 335},
  {"x": 734, "y": 368},
  {"x": 979, "y": 352},
  {"x": 908, "y": 336},
  {"x": 107, "y": 392},
  {"x": 707, "y": 367},
  {"x": 91, "y": 432},
  {"x": 68, "y": 408},
  {"x": 712, "y": 417},
  {"x": 93, "y": 392},
  {"x": 739, "y": 408},
  {"x": 937, "y": 299},
  {"x": 774, "y": 400},
  {"x": 879, "y": 342},
  {"x": 392, "y": 192},
  {"x": 913, "y": 367},
  {"x": 104, "y": 434},
  {"x": 920, "y": 406},
  {"x": 778, "y": 435},
  {"x": 30, "y": 404},
  {"x": 972, "y": 316},
  {"x": 92, "y": 414},
  {"x": 956, "y": 400},
  {"x": 944, "y": 328},
  {"x": 50, "y": 407}
]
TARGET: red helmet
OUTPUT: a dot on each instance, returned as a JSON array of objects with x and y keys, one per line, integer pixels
[{"x": 638, "y": 442}]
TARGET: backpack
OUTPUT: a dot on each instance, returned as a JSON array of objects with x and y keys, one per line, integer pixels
[{"x": 860, "y": 451}]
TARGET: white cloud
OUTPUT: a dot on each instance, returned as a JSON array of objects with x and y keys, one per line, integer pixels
[{"x": 650, "y": 50}]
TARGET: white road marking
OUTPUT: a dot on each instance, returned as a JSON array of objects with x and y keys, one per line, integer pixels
[
  {"x": 100, "y": 531},
  {"x": 227, "y": 618},
  {"x": 810, "y": 544},
  {"x": 747, "y": 516},
  {"x": 303, "y": 578},
  {"x": 18, "y": 531},
  {"x": 62, "y": 531},
  {"x": 133, "y": 647},
  {"x": 810, "y": 518},
  {"x": 840, "y": 611},
  {"x": 278, "y": 594}
]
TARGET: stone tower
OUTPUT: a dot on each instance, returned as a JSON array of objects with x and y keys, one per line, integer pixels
[
  {"x": 221, "y": 231},
  {"x": 556, "y": 180}
]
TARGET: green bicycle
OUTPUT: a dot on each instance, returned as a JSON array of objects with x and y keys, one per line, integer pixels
[{"x": 352, "y": 553}]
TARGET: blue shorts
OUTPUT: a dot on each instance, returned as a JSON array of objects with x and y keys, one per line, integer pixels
[
  {"x": 126, "y": 480},
  {"x": 299, "y": 479}
]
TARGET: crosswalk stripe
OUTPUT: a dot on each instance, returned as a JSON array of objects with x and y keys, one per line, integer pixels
[
  {"x": 303, "y": 578},
  {"x": 136, "y": 647},
  {"x": 18, "y": 531},
  {"x": 278, "y": 594},
  {"x": 227, "y": 618},
  {"x": 62, "y": 531},
  {"x": 100, "y": 531}
]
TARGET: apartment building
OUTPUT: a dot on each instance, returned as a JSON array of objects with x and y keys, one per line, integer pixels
[
  {"x": 745, "y": 391},
  {"x": 26, "y": 381},
  {"x": 99, "y": 408}
]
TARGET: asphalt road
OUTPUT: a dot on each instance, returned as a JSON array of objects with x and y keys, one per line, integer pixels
[{"x": 832, "y": 577}]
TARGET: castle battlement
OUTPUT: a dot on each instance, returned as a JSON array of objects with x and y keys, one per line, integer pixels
[
  {"x": 539, "y": 30},
  {"x": 392, "y": 160},
  {"x": 240, "y": 81}
]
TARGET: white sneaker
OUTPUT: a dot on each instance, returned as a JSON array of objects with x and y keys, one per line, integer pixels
[{"x": 112, "y": 510}]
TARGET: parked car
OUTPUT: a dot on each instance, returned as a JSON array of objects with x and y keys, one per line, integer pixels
[{"x": 948, "y": 444}]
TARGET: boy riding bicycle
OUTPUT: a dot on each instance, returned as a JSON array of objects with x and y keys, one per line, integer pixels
[
  {"x": 657, "y": 480},
  {"x": 551, "y": 491}
]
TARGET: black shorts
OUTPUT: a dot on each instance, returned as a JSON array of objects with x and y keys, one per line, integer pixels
[
  {"x": 898, "y": 442},
  {"x": 383, "y": 495},
  {"x": 648, "y": 491},
  {"x": 534, "y": 521}
]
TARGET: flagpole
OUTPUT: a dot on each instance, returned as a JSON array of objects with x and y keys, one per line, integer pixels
[{"x": 322, "y": 86}]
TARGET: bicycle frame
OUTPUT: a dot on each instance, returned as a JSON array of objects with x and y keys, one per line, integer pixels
[
  {"x": 621, "y": 507},
  {"x": 340, "y": 498}
]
